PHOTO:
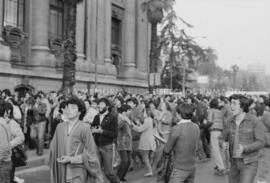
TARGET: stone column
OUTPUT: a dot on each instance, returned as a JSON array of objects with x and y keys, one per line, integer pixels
[
  {"x": 80, "y": 30},
  {"x": 1, "y": 18},
  {"x": 108, "y": 27},
  {"x": 100, "y": 30},
  {"x": 129, "y": 38},
  {"x": 40, "y": 55},
  {"x": 142, "y": 53},
  {"x": 4, "y": 50}
]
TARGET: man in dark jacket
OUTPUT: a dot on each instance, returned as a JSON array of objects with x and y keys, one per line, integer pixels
[{"x": 105, "y": 130}]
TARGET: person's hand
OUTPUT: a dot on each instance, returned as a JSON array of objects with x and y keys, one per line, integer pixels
[
  {"x": 97, "y": 130},
  {"x": 64, "y": 159},
  {"x": 239, "y": 150}
]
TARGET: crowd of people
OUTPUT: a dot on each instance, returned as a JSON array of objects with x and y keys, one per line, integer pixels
[{"x": 92, "y": 137}]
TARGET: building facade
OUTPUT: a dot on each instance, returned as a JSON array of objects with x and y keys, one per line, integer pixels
[{"x": 112, "y": 39}]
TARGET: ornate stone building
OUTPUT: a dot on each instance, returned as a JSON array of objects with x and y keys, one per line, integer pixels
[{"x": 112, "y": 40}]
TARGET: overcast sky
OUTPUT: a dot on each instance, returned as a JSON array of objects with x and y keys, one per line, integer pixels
[{"x": 238, "y": 29}]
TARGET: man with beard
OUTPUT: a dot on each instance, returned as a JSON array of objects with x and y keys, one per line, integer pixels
[{"x": 105, "y": 128}]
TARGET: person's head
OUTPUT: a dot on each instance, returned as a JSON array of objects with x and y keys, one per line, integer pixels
[
  {"x": 94, "y": 104},
  {"x": 6, "y": 93},
  {"x": 152, "y": 105},
  {"x": 239, "y": 104},
  {"x": 38, "y": 98},
  {"x": 190, "y": 100},
  {"x": 222, "y": 101},
  {"x": 62, "y": 107},
  {"x": 125, "y": 110},
  {"x": 132, "y": 102},
  {"x": 185, "y": 110},
  {"x": 87, "y": 104},
  {"x": 41, "y": 94},
  {"x": 168, "y": 98},
  {"x": 75, "y": 108},
  {"x": 214, "y": 104},
  {"x": 118, "y": 101},
  {"x": 8, "y": 110},
  {"x": 262, "y": 98},
  {"x": 103, "y": 105},
  {"x": 165, "y": 106}
]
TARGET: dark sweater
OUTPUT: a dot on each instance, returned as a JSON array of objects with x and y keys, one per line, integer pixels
[
  {"x": 183, "y": 141},
  {"x": 109, "y": 125}
]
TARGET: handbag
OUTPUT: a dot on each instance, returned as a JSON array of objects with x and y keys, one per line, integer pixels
[{"x": 19, "y": 156}]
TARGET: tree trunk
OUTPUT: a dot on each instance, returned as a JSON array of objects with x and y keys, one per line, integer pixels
[
  {"x": 70, "y": 55},
  {"x": 153, "y": 49}
]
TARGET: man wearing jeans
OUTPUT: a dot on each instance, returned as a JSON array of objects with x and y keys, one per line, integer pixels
[
  {"x": 183, "y": 141},
  {"x": 244, "y": 137},
  {"x": 105, "y": 128}
]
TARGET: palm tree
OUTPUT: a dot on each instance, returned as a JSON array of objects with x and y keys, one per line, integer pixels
[
  {"x": 69, "y": 44},
  {"x": 155, "y": 13}
]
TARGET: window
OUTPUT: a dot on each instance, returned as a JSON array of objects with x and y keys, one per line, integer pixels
[
  {"x": 14, "y": 13},
  {"x": 116, "y": 33},
  {"x": 56, "y": 20},
  {"x": 116, "y": 37}
]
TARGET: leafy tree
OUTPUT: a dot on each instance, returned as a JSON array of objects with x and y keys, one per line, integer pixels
[{"x": 182, "y": 51}]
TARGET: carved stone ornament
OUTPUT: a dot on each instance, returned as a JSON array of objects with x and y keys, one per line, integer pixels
[{"x": 14, "y": 37}]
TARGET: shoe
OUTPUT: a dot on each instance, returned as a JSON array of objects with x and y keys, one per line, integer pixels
[
  {"x": 220, "y": 172},
  {"x": 261, "y": 181},
  {"x": 18, "y": 180},
  {"x": 123, "y": 180},
  {"x": 149, "y": 174}
]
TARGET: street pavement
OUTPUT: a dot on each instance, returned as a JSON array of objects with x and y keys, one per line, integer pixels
[{"x": 204, "y": 174}]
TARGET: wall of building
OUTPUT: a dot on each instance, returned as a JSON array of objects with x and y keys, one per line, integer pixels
[{"x": 41, "y": 67}]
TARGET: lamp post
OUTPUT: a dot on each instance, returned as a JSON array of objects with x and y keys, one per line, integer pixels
[{"x": 96, "y": 47}]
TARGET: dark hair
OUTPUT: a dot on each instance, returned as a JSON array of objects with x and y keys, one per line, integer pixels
[
  {"x": 132, "y": 99},
  {"x": 244, "y": 101},
  {"x": 8, "y": 107},
  {"x": 13, "y": 101},
  {"x": 80, "y": 104},
  {"x": 120, "y": 99},
  {"x": 214, "y": 103},
  {"x": 7, "y": 92},
  {"x": 124, "y": 108},
  {"x": 223, "y": 99},
  {"x": 62, "y": 106},
  {"x": 185, "y": 110},
  {"x": 37, "y": 96},
  {"x": 267, "y": 102},
  {"x": 2, "y": 108},
  {"x": 89, "y": 102},
  {"x": 104, "y": 100}
]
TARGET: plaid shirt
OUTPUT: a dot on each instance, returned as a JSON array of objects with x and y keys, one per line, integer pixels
[{"x": 250, "y": 135}]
